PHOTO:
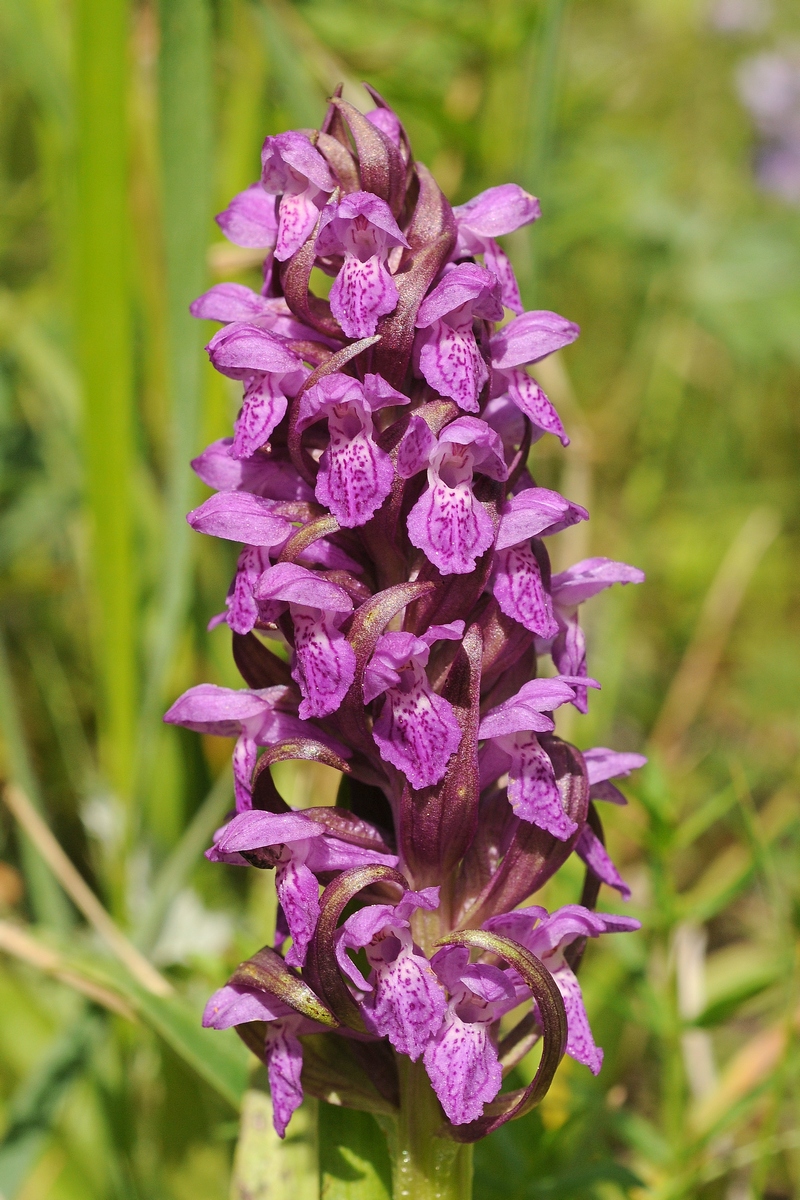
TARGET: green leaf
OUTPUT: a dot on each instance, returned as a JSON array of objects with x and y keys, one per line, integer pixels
[
  {"x": 35, "y": 1105},
  {"x": 353, "y": 1156},
  {"x": 266, "y": 1167}
]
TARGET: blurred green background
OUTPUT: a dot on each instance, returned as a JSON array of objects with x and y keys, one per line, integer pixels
[{"x": 122, "y": 131}]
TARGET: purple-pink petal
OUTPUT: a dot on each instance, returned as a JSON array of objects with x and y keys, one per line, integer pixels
[
  {"x": 498, "y": 210},
  {"x": 531, "y": 337},
  {"x": 284, "y": 1056},
  {"x": 536, "y": 512},
  {"x": 463, "y": 1068},
  {"x": 240, "y": 517},
  {"x": 594, "y": 854},
  {"x": 230, "y": 302},
  {"x": 298, "y": 585},
  {"x": 263, "y": 408},
  {"x": 250, "y": 219},
  {"x": 467, "y": 290},
  {"x": 406, "y": 1004},
  {"x": 532, "y": 789},
  {"x": 233, "y": 1005},
  {"x": 298, "y": 892},
  {"x": 362, "y": 293},
  {"x": 289, "y": 163},
  {"x": 603, "y": 764},
  {"x": 450, "y": 361},
  {"x": 531, "y": 400},
  {"x": 592, "y": 575},
  {"x": 451, "y": 527},
  {"x": 580, "y": 1042},
  {"x": 240, "y": 348},
  {"x": 518, "y": 588},
  {"x": 417, "y": 732},
  {"x": 324, "y": 662}
]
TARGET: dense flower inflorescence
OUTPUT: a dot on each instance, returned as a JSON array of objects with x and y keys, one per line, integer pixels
[{"x": 394, "y": 543}]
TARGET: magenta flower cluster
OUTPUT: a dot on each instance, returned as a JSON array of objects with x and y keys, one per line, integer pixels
[{"x": 393, "y": 545}]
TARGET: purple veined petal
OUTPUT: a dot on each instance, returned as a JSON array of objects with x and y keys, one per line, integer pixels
[
  {"x": 451, "y": 527},
  {"x": 298, "y": 892},
  {"x": 298, "y": 585},
  {"x": 255, "y": 829},
  {"x": 387, "y": 121},
  {"x": 463, "y": 1068},
  {"x": 580, "y": 1043},
  {"x": 518, "y": 588},
  {"x": 242, "y": 347},
  {"x": 334, "y": 854},
  {"x": 450, "y": 361},
  {"x": 594, "y": 854},
  {"x": 492, "y": 762},
  {"x": 449, "y": 963},
  {"x": 407, "y": 1003},
  {"x": 377, "y": 392},
  {"x": 536, "y": 512},
  {"x": 565, "y": 924},
  {"x": 355, "y": 475},
  {"x": 229, "y": 302},
  {"x": 531, "y": 400},
  {"x": 534, "y": 698},
  {"x": 326, "y": 554},
  {"x": 250, "y": 220},
  {"x": 504, "y": 416},
  {"x": 284, "y": 1056},
  {"x": 264, "y": 406},
  {"x": 297, "y": 216},
  {"x": 361, "y": 225},
  {"x": 362, "y": 293},
  {"x": 498, "y": 210},
  {"x": 415, "y": 449},
  {"x": 270, "y": 477},
  {"x": 467, "y": 290},
  {"x": 493, "y": 986},
  {"x": 532, "y": 789},
  {"x": 592, "y": 575},
  {"x": 382, "y": 672},
  {"x": 208, "y": 708},
  {"x": 324, "y": 662},
  {"x": 289, "y": 163},
  {"x": 245, "y": 754},
  {"x": 453, "y": 631},
  {"x": 232, "y": 1005},
  {"x": 608, "y": 792},
  {"x": 498, "y": 262},
  {"x": 243, "y": 608},
  {"x": 518, "y": 924},
  {"x": 569, "y": 656},
  {"x": 603, "y": 764},
  {"x": 485, "y": 443},
  {"x": 531, "y": 337},
  {"x": 427, "y": 898},
  {"x": 417, "y": 732},
  {"x": 240, "y": 517}
]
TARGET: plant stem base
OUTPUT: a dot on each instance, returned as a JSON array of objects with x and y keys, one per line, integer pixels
[{"x": 424, "y": 1166}]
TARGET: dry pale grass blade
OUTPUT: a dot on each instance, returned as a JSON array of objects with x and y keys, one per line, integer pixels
[
  {"x": 748, "y": 1070},
  {"x": 690, "y": 944},
  {"x": 21, "y": 945},
  {"x": 694, "y": 676},
  {"x": 84, "y": 898}
]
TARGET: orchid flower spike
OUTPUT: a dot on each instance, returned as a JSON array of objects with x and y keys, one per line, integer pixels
[{"x": 390, "y": 613}]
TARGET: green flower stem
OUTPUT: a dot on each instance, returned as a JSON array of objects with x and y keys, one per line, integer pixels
[{"x": 424, "y": 1166}]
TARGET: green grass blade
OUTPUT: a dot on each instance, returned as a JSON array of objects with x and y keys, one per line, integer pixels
[
  {"x": 47, "y": 900},
  {"x": 186, "y": 144},
  {"x": 34, "y": 1107},
  {"x": 104, "y": 337},
  {"x": 353, "y": 1156},
  {"x": 184, "y": 858}
]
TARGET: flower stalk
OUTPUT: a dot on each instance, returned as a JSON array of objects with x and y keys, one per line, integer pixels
[{"x": 392, "y": 610}]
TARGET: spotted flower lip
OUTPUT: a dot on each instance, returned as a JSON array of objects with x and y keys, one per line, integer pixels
[
  {"x": 447, "y": 522},
  {"x": 393, "y": 547},
  {"x": 324, "y": 661},
  {"x": 449, "y": 357},
  {"x": 361, "y": 227},
  {"x": 292, "y": 168},
  {"x": 402, "y": 998},
  {"x": 415, "y": 730},
  {"x": 355, "y": 474}
]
